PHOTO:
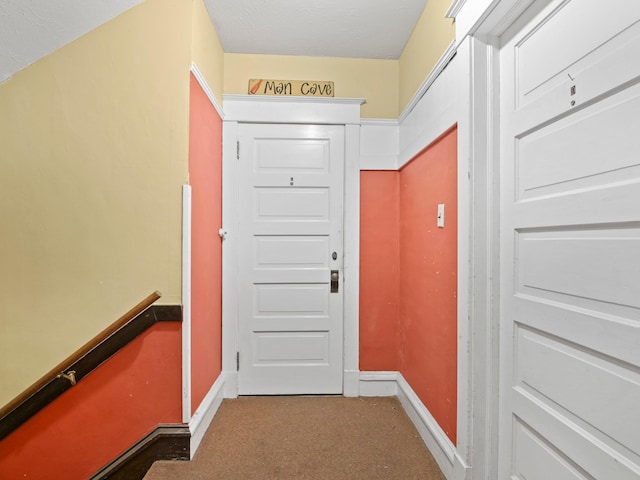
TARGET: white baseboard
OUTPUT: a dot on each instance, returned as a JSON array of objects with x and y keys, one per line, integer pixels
[
  {"x": 389, "y": 384},
  {"x": 378, "y": 384},
  {"x": 351, "y": 383},
  {"x": 203, "y": 416}
]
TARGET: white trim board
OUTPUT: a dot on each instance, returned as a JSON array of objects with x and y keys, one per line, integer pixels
[
  {"x": 230, "y": 255},
  {"x": 391, "y": 144},
  {"x": 434, "y": 114},
  {"x": 203, "y": 416},
  {"x": 488, "y": 18},
  {"x": 351, "y": 265},
  {"x": 186, "y": 303},
  {"x": 435, "y": 72},
  {"x": 379, "y": 144},
  {"x": 390, "y": 384},
  {"x": 262, "y": 108},
  {"x": 197, "y": 74},
  {"x": 454, "y": 8}
]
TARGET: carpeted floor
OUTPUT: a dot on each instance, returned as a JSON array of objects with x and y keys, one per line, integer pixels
[{"x": 307, "y": 438}]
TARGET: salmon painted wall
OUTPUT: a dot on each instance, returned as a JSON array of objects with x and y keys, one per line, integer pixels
[
  {"x": 428, "y": 279},
  {"x": 408, "y": 285},
  {"x": 205, "y": 177},
  {"x": 379, "y": 270},
  {"x": 104, "y": 414}
]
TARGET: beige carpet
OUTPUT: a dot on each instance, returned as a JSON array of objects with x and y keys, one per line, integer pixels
[{"x": 307, "y": 438}]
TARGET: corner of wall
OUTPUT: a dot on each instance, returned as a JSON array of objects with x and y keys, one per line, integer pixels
[
  {"x": 430, "y": 38},
  {"x": 206, "y": 50}
]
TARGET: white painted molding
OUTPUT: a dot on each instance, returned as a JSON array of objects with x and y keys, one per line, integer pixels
[
  {"x": 351, "y": 383},
  {"x": 207, "y": 90},
  {"x": 203, "y": 416},
  {"x": 383, "y": 122},
  {"x": 230, "y": 384},
  {"x": 478, "y": 265},
  {"x": 489, "y": 17},
  {"x": 444, "y": 60},
  {"x": 186, "y": 303},
  {"x": 292, "y": 99},
  {"x": 315, "y": 110},
  {"x": 230, "y": 255},
  {"x": 440, "y": 446},
  {"x": 379, "y": 144},
  {"x": 455, "y": 7},
  {"x": 351, "y": 284},
  {"x": 378, "y": 384},
  {"x": 435, "y": 113},
  {"x": 390, "y": 384}
]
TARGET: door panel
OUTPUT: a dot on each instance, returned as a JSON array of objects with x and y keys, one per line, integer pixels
[
  {"x": 291, "y": 204},
  {"x": 570, "y": 247}
]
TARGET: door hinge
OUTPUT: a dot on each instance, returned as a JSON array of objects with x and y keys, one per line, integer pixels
[
  {"x": 237, "y": 361},
  {"x": 237, "y": 149}
]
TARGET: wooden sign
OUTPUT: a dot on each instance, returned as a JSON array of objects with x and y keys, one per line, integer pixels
[{"x": 290, "y": 88}]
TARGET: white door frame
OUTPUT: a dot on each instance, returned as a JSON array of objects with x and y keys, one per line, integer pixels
[
  {"x": 260, "y": 109},
  {"x": 479, "y": 24}
]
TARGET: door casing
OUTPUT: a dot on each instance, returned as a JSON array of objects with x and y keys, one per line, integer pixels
[{"x": 251, "y": 109}]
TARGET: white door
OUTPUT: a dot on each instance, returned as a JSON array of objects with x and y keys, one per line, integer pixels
[
  {"x": 291, "y": 209},
  {"x": 570, "y": 242}
]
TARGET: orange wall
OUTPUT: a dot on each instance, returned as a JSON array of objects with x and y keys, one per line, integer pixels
[
  {"x": 428, "y": 283},
  {"x": 104, "y": 414},
  {"x": 205, "y": 177},
  {"x": 408, "y": 285},
  {"x": 379, "y": 270}
]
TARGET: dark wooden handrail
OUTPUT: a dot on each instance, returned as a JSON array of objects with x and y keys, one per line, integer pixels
[{"x": 63, "y": 369}]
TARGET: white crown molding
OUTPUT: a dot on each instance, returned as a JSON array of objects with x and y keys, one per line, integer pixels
[
  {"x": 444, "y": 60},
  {"x": 455, "y": 7},
  {"x": 274, "y": 109},
  {"x": 207, "y": 90},
  {"x": 287, "y": 99},
  {"x": 380, "y": 122},
  {"x": 488, "y": 17}
]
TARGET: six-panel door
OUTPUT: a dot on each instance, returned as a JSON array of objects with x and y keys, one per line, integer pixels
[
  {"x": 291, "y": 210},
  {"x": 570, "y": 248}
]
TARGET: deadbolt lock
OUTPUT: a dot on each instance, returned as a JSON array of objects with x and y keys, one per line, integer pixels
[{"x": 335, "y": 279}]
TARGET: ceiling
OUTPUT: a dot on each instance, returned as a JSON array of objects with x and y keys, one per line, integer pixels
[
  {"x": 32, "y": 29},
  {"x": 323, "y": 28}
]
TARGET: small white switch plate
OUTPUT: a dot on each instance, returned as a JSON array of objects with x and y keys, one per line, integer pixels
[{"x": 441, "y": 215}]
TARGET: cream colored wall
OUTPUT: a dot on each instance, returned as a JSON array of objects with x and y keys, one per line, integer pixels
[
  {"x": 93, "y": 146},
  {"x": 430, "y": 38},
  {"x": 206, "y": 51},
  {"x": 375, "y": 80}
]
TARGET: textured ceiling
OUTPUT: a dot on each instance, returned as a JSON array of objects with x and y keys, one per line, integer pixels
[
  {"x": 327, "y": 28},
  {"x": 32, "y": 29}
]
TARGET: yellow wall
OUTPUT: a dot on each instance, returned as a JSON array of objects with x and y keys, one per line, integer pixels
[
  {"x": 206, "y": 51},
  {"x": 93, "y": 147},
  {"x": 374, "y": 80},
  {"x": 93, "y": 154},
  {"x": 430, "y": 38}
]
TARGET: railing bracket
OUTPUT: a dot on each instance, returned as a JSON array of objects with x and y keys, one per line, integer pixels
[{"x": 70, "y": 375}]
